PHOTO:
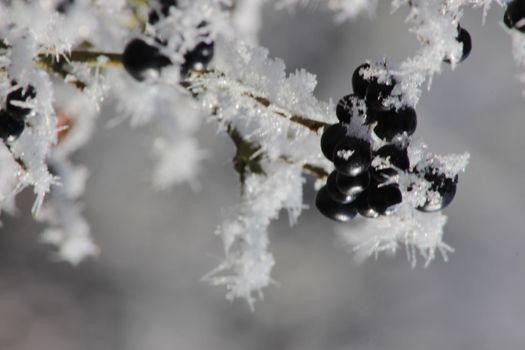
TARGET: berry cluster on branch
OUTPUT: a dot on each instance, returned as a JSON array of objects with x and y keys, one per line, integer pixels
[{"x": 358, "y": 186}]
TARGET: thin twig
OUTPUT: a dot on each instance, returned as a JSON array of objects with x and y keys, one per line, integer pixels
[{"x": 245, "y": 149}]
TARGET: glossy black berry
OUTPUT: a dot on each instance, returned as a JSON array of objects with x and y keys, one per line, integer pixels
[
  {"x": 396, "y": 155},
  {"x": 352, "y": 156},
  {"x": 335, "y": 193},
  {"x": 381, "y": 176},
  {"x": 10, "y": 126},
  {"x": 376, "y": 92},
  {"x": 384, "y": 199},
  {"x": 21, "y": 94},
  {"x": 332, "y": 209},
  {"x": 445, "y": 188},
  {"x": 363, "y": 208},
  {"x": 359, "y": 84},
  {"x": 331, "y": 136},
  {"x": 391, "y": 123},
  {"x": 198, "y": 58},
  {"x": 143, "y": 61},
  {"x": 352, "y": 186},
  {"x": 515, "y": 15},
  {"x": 345, "y": 108},
  {"x": 463, "y": 38}
]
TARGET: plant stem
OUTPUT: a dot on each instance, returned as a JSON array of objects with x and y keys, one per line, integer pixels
[{"x": 244, "y": 159}]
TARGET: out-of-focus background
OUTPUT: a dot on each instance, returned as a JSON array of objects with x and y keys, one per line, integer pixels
[{"x": 145, "y": 292}]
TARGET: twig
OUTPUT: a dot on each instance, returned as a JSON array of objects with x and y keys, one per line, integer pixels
[{"x": 244, "y": 158}]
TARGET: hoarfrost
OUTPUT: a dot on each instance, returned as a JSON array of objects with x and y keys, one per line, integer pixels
[{"x": 248, "y": 263}]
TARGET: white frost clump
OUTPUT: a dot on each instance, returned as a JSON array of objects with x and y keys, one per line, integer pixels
[
  {"x": 248, "y": 263},
  {"x": 68, "y": 230},
  {"x": 178, "y": 161},
  {"x": 418, "y": 232},
  {"x": 246, "y": 73}
]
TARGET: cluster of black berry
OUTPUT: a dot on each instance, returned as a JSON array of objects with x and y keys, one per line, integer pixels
[
  {"x": 144, "y": 61},
  {"x": 514, "y": 17},
  {"x": 13, "y": 116},
  {"x": 359, "y": 184}
]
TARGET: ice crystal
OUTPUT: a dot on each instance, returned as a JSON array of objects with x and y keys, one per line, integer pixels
[{"x": 248, "y": 263}]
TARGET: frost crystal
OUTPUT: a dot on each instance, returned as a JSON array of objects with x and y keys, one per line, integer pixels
[
  {"x": 417, "y": 232},
  {"x": 247, "y": 266}
]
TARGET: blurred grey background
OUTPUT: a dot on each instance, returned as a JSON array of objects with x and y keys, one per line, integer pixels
[{"x": 144, "y": 292}]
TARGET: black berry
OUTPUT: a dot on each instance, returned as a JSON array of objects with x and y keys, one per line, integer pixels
[
  {"x": 345, "y": 108},
  {"x": 21, "y": 94},
  {"x": 378, "y": 91},
  {"x": 359, "y": 84},
  {"x": 396, "y": 155},
  {"x": 363, "y": 208},
  {"x": 10, "y": 126},
  {"x": 198, "y": 58},
  {"x": 444, "y": 186},
  {"x": 352, "y": 156},
  {"x": 384, "y": 199},
  {"x": 515, "y": 15},
  {"x": 398, "y": 159},
  {"x": 335, "y": 193},
  {"x": 352, "y": 186},
  {"x": 381, "y": 176},
  {"x": 463, "y": 38},
  {"x": 330, "y": 138},
  {"x": 332, "y": 209},
  {"x": 143, "y": 61},
  {"x": 391, "y": 123}
]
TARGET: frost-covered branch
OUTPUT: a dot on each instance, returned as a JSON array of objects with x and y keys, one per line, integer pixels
[{"x": 66, "y": 58}]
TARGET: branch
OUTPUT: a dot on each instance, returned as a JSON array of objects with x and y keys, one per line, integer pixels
[
  {"x": 114, "y": 60},
  {"x": 313, "y": 125},
  {"x": 246, "y": 157}
]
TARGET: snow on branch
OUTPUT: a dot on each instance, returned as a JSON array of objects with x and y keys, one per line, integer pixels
[{"x": 248, "y": 263}]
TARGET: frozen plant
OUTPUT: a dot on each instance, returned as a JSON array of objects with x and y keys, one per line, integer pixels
[{"x": 171, "y": 65}]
